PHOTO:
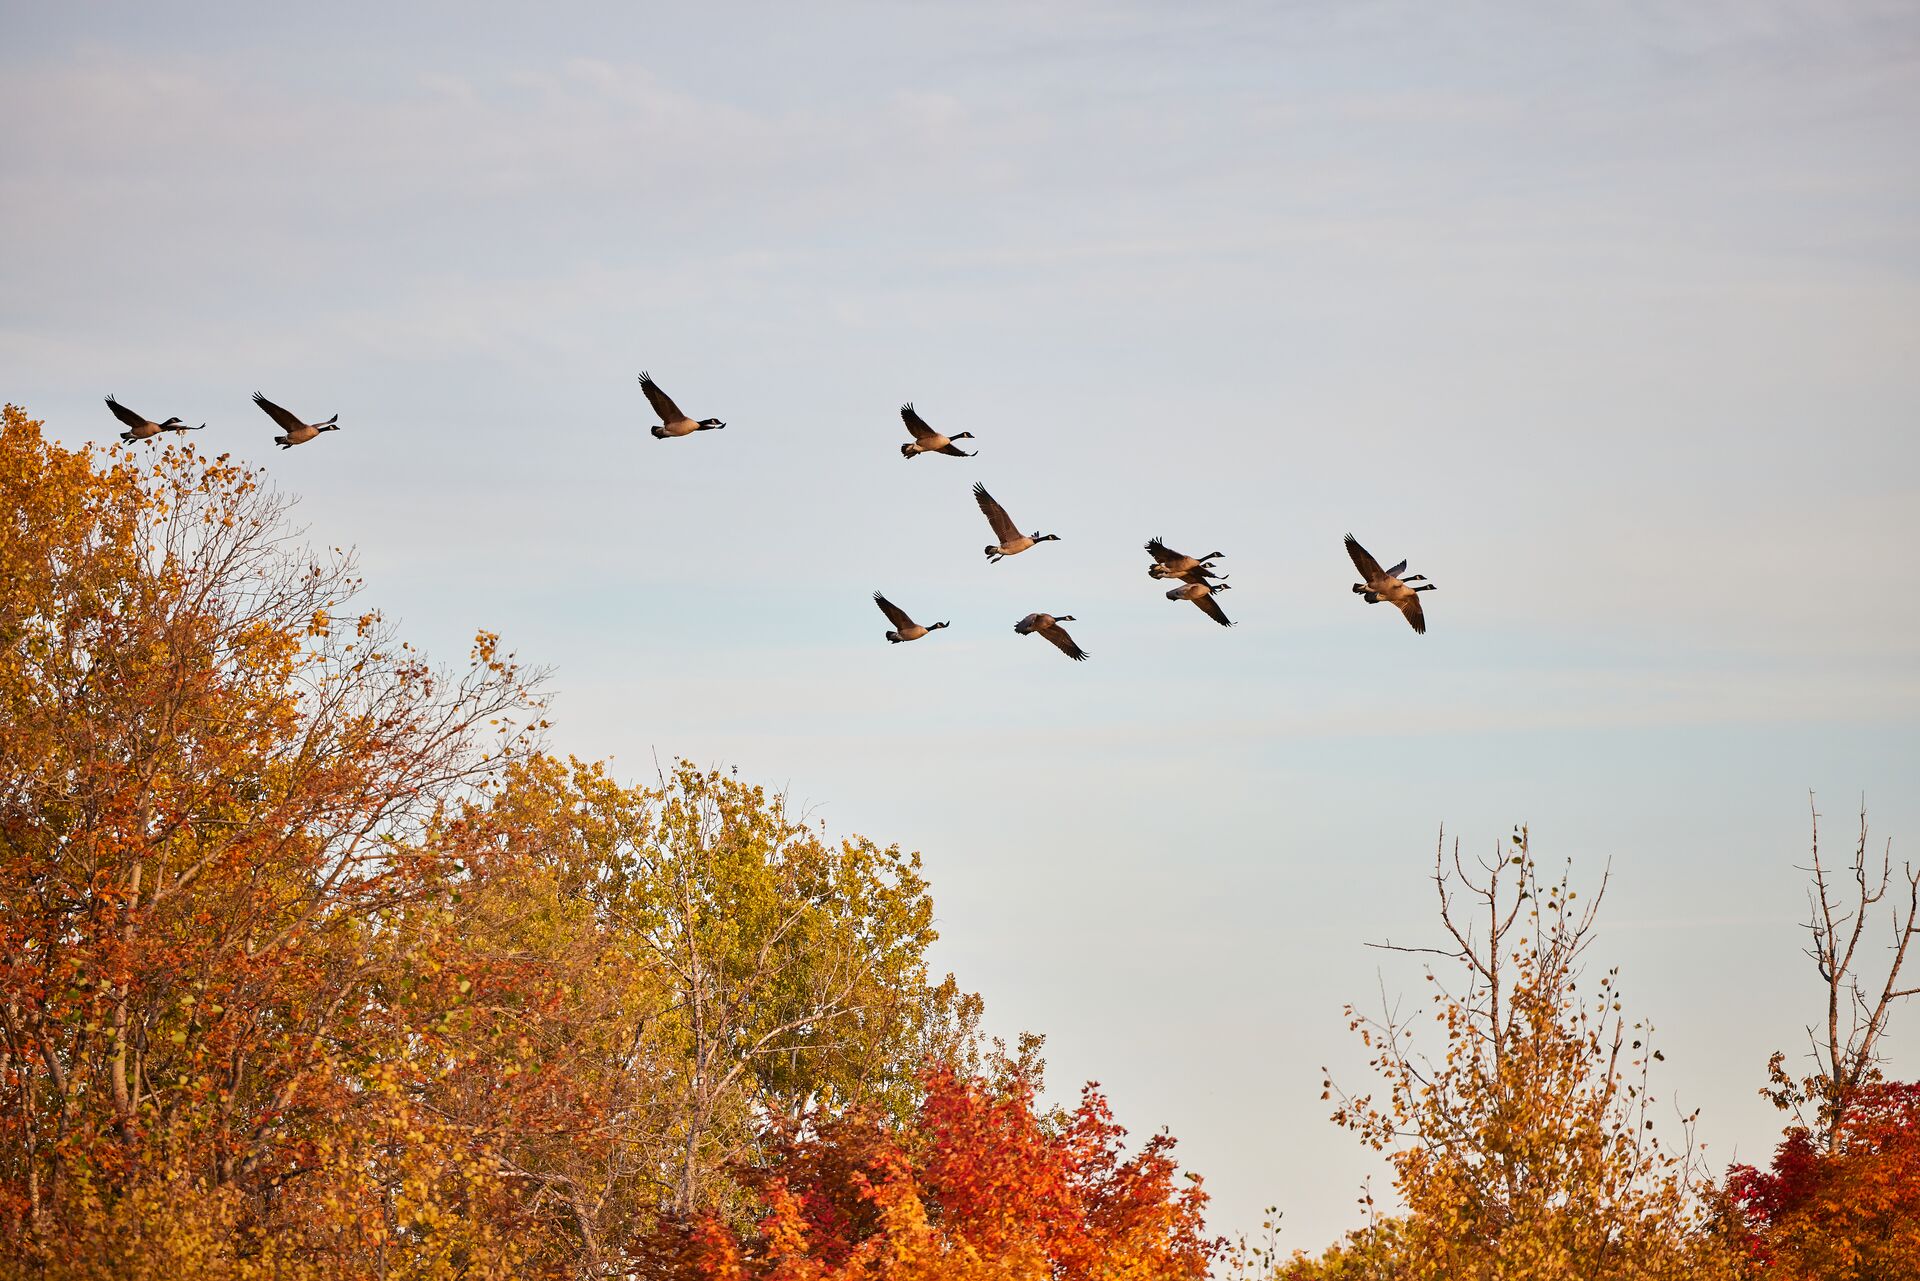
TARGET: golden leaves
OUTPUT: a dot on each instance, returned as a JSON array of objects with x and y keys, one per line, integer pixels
[{"x": 1520, "y": 1146}]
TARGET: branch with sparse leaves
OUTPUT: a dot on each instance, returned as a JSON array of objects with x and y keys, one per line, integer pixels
[{"x": 1846, "y": 1048}]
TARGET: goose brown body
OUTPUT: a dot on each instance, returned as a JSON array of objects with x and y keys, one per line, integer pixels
[
  {"x": 294, "y": 431},
  {"x": 1169, "y": 563},
  {"x": 1379, "y": 584},
  {"x": 1201, "y": 594},
  {"x": 1012, "y": 541},
  {"x": 139, "y": 428},
  {"x": 1048, "y": 625},
  {"x": 673, "y": 422},
  {"x": 926, "y": 440},
  {"x": 905, "y": 629}
]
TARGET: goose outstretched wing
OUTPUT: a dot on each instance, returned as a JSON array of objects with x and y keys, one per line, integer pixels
[
  {"x": 661, "y": 402},
  {"x": 1163, "y": 553},
  {"x": 895, "y": 615},
  {"x": 1363, "y": 561},
  {"x": 286, "y": 420},
  {"x": 1003, "y": 527},
  {"x": 1212, "y": 609},
  {"x": 124, "y": 414},
  {"x": 915, "y": 423},
  {"x": 1064, "y": 643}
]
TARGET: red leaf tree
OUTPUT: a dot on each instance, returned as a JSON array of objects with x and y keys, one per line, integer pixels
[
  {"x": 981, "y": 1184},
  {"x": 1853, "y": 1212}
]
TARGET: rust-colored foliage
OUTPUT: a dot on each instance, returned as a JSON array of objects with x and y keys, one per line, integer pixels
[
  {"x": 1848, "y": 1214},
  {"x": 980, "y": 1186}
]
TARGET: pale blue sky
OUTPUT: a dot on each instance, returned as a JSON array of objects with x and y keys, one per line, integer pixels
[{"x": 1609, "y": 318}]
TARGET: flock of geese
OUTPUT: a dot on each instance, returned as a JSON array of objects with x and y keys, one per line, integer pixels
[{"x": 1199, "y": 582}]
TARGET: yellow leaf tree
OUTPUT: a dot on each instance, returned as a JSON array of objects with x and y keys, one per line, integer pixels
[
  {"x": 1523, "y": 1142},
  {"x": 677, "y": 965}
]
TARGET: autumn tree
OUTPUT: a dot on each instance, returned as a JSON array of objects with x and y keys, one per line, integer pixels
[
  {"x": 214, "y": 777},
  {"x": 1524, "y": 1144},
  {"x": 683, "y": 966},
  {"x": 979, "y": 1184},
  {"x": 1841, "y": 1198},
  {"x": 1846, "y": 1211}
]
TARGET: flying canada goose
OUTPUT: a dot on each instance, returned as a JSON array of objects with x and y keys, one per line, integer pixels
[
  {"x": 1048, "y": 625},
  {"x": 1201, "y": 594},
  {"x": 672, "y": 421},
  {"x": 298, "y": 433},
  {"x": 1171, "y": 564},
  {"x": 1012, "y": 541},
  {"x": 1387, "y": 585},
  {"x": 139, "y": 428},
  {"x": 928, "y": 441},
  {"x": 908, "y": 629}
]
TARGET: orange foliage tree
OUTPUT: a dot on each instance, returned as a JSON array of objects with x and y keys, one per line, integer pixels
[
  {"x": 979, "y": 1185},
  {"x": 216, "y": 779}
]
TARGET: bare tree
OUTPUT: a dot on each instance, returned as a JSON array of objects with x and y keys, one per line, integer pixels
[{"x": 1846, "y": 1051}]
